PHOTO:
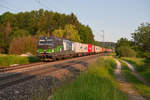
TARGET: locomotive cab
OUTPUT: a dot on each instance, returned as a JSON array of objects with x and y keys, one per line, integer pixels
[{"x": 48, "y": 46}]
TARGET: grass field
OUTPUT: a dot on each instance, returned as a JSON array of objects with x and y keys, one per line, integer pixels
[
  {"x": 141, "y": 67},
  {"x": 97, "y": 83},
  {"x": 143, "y": 89},
  {"x": 7, "y": 60}
]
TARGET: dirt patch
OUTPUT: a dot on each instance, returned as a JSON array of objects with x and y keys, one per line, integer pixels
[
  {"x": 60, "y": 74},
  {"x": 126, "y": 87}
]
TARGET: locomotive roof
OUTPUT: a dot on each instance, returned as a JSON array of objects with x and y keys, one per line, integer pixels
[{"x": 50, "y": 37}]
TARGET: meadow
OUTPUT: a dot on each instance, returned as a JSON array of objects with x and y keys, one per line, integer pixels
[{"x": 7, "y": 60}]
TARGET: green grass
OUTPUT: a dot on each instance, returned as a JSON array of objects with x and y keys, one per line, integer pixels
[
  {"x": 141, "y": 67},
  {"x": 141, "y": 87},
  {"x": 7, "y": 60},
  {"x": 97, "y": 83},
  {"x": 137, "y": 62}
]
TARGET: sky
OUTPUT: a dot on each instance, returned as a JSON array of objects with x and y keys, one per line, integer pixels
[{"x": 118, "y": 18}]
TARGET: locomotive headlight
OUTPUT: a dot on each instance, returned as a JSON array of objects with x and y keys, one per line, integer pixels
[{"x": 52, "y": 50}]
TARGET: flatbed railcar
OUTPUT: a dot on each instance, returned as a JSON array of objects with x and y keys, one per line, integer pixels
[{"x": 53, "y": 48}]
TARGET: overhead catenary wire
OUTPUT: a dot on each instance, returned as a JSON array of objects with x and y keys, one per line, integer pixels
[
  {"x": 7, "y": 8},
  {"x": 47, "y": 2},
  {"x": 12, "y": 6},
  {"x": 42, "y": 4}
]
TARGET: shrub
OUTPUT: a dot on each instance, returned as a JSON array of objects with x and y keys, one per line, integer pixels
[
  {"x": 2, "y": 50},
  {"x": 125, "y": 51},
  {"x": 22, "y": 45},
  {"x": 33, "y": 59}
]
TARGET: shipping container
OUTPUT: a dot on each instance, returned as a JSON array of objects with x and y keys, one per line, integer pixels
[
  {"x": 100, "y": 49},
  {"x": 103, "y": 49},
  {"x": 89, "y": 48},
  {"x": 67, "y": 45},
  {"x": 97, "y": 49},
  {"x": 84, "y": 48},
  {"x": 77, "y": 47},
  {"x": 93, "y": 48},
  {"x": 108, "y": 50}
]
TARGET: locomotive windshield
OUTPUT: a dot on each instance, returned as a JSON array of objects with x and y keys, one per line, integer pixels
[{"x": 46, "y": 42}]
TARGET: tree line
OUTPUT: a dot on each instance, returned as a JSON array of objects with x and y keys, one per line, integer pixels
[
  {"x": 139, "y": 45},
  {"x": 19, "y": 32}
]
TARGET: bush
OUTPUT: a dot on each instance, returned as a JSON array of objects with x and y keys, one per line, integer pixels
[
  {"x": 2, "y": 50},
  {"x": 147, "y": 55},
  {"x": 33, "y": 59},
  {"x": 21, "y": 45},
  {"x": 125, "y": 51}
]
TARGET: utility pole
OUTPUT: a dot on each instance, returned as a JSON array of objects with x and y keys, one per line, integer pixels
[
  {"x": 103, "y": 35},
  {"x": 103, "y": 38}
]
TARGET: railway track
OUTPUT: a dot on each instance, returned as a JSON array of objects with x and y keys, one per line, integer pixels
[
  {"x": 13, "y": 76},
  {"x": 8, "y": 68}
]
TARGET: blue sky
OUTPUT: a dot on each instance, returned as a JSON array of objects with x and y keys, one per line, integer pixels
[{"x": 118, "y": 18}]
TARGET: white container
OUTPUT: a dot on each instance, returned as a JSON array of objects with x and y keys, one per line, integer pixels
[
  {"x": 84, "y": 48},
  {"x": 77, "y": 47},
  {"x": 67, "y": 45},
  {"x": 97, "y": 49},
  {"x": 93, "y": 48}
]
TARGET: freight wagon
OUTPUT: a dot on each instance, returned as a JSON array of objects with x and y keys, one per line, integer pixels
[{"x": 108, "y": 50}]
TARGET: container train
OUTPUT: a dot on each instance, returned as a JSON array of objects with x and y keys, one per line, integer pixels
[{"x": 53, "y": 48}]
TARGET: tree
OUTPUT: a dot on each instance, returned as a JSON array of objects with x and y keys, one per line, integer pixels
[
  {"x": 20, "y": 45},
  {"x": 86, "y": 34},
  {"x": 58, "y": 33},
  {"x": 73, "y": 19},
  {"x": 45, "y": 23},
  {"x": 125, "y": 51},
  {"x": 123, "y": 48},
  {"x": 20, "y": 33},
  {"x": 142, "y": 39},
  {"x": 71, "y": 33},
  {"x": 2, "y": 42},
  {"x": 42, "y": 23},
  {"x": 5, "y": 32},
  {"x": 123, "y": 42},
  {"x": 39, "y": 34}
]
